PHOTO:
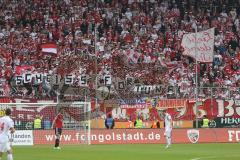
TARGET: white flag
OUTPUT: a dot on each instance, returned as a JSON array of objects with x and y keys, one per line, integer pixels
[{"x": 199, "y": 45}]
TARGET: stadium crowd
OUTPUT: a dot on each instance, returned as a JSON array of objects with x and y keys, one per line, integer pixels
[{"x": 127, "y": 38}]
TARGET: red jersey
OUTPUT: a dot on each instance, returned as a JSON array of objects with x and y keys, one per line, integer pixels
[{"x": 59, "y": 121}]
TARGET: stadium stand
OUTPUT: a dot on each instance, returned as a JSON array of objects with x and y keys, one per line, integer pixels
[{"x": 130, "y": 38}]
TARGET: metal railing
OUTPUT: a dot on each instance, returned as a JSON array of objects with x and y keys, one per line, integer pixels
[{"x": 165, "y": 92}]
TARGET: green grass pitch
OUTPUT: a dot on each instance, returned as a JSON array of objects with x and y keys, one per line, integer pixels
[{"x": 220, "y": 151}]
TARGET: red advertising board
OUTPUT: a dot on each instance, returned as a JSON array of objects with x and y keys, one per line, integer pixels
[{"x": 140, "y": 136}]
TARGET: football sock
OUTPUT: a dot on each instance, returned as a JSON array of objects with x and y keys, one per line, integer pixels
[
  {"x": 56, "y": 142},
  {"x": 9, "y": 157},
  {"x": 170, "y": 140},
  {"x": 167, "y": 140}
]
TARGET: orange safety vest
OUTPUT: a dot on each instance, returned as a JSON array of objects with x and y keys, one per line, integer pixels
[{"x": 154, "y": 125}]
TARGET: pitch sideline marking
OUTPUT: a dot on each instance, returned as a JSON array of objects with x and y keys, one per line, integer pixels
[{"x": 202, "y": 158}]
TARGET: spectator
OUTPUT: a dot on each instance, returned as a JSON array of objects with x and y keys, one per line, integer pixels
[
  {"x": 156, "y": 123},
  {"x": 109, "y": 122},
  {"x": 47, "y": 123},
  {"x": 136, "y": 38}
]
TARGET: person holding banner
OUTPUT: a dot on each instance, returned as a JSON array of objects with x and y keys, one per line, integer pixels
[
  {"x": 168, "y": 128},
  {"x": 6, "y": 125}
]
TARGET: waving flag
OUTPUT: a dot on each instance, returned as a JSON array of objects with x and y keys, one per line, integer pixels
[
  {"x": 49, "y": 48},
  {"x": 199, "y": 45},
  {"x": 132, "y": 56}
]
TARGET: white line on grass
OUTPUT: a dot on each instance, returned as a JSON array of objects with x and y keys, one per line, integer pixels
[
  {"x": 213, "y": 157},
  {"x": 199, "y": 158}
]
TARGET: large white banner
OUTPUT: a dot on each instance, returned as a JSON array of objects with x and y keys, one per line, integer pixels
[
  {"x": 23, "y": 137},
  {"x": 53, "y": 79},
  {"x": 199, "y": 45}
]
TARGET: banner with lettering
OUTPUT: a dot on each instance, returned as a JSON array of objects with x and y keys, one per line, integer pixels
[
  {"x": 22, "y": 138},
  {"x": 222, "y": 113},
  {"x": 181, "y": 110},
  {"x": 199, "y": 45},
  {"x": 139, "y": 136},
  {"x": 38, "y": 78}
]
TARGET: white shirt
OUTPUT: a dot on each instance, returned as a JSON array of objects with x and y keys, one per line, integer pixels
[
  {"x": 129, "y": 15},
  {"x": 5, "y": 124},
  {"x": 168, "y": 122}
]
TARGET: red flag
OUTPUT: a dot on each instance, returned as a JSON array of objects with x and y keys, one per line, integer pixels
[{"x": 49, "y": 48}]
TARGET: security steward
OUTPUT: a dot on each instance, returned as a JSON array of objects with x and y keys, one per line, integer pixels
[
  {"x": 37, "y": 122},
  {"x": 138, "y": 123},
  {"x": 205, "y": 122}
]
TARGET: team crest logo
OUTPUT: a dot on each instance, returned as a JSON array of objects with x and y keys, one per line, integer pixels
[{"x": 193, "y": 135}]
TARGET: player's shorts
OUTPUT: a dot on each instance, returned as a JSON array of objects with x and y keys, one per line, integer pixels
[
  {"x": 4, "y": 147},
  {"x": 58, "y": 131}
]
